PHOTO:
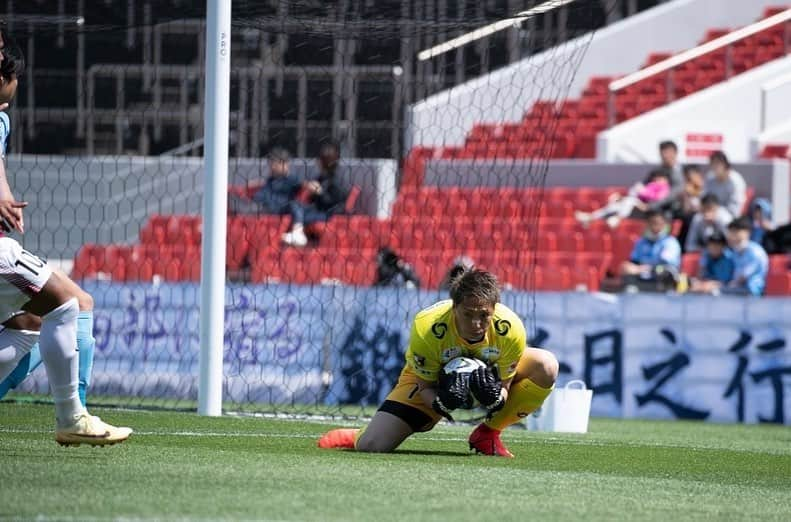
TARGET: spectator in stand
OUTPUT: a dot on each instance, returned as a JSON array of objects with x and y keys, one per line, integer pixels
[
  {"x": 711, "y": 218},
  {"x": 688, "y": 203},
  {"x": 393, "y": 271},
  {"x": 272, "y": 195},
  {"x": 751, "y": 264},
  {"x": 716, "y": 266},
  {"x": 656, "y": 257},
  {"x": 655, "y": 187},
  {"x": 725, "y": 183},
  {"x": 325, "y": 196},
  {"x": 761, "y": 218},
  {"x": 668, "y": 154}
]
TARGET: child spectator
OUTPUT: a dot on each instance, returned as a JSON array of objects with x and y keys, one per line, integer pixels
[
  {"x": 655, "y": 188},
  {"x": 716, "y": 265},
  {"x": 761, "y": 218},
  {"x": 751, "y": 264},
  {"x": 655, "y": 256},
  {"x": 725, "y": 183},
  {"x": 711, "y": 218}
]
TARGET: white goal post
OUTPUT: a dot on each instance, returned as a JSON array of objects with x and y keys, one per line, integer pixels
[{"x": 216, "y": 121}]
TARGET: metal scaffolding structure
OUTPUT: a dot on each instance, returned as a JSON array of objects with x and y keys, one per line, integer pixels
[{"x": 153, "y": 105}]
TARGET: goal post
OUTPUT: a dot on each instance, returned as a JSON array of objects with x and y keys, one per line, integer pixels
[{"x": 215, "y": 203}]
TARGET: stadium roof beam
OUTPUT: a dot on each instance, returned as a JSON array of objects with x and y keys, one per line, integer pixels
[{"x": 490, "y": 29}]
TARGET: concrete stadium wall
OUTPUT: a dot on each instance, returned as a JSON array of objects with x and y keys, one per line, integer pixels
[
  {"x": 77, "y": 200},
  {"x": 506, "y": 94},
  {"x": 730, "y": 110}
]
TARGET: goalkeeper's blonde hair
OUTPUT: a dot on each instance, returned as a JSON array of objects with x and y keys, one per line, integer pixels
[{"x": 476, "y": 284}]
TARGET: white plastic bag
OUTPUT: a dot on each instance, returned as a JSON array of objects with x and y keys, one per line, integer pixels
[{"x": 566, "y": 410}]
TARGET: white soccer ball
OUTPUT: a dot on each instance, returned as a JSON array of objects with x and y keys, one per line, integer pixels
[{"x": 462, "y": 365}]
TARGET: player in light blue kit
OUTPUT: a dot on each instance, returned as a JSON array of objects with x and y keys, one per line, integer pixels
[{"x": 11, "y": 66}]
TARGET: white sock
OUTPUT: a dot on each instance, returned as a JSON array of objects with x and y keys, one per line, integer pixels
[
  {"x": 58, "y": 345},
  {"x": 14, "y": 345}
]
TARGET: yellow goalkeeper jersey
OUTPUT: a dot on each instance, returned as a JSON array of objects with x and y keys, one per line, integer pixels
[{"x": 434, "y": 341}]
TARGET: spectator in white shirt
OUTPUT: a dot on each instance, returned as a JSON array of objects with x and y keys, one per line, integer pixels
[
  {"x": 711, "y": 218},
  {"x": 725, "y": 183}
]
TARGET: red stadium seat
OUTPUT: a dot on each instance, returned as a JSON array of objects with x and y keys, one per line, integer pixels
[
  {"x": 690, "y": 263},
  {"x": 779, "y": 263},
  {"x": 778, "y": 284}
]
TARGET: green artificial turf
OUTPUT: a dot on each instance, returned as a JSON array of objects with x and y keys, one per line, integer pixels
[{"x": 181, "y": 466}]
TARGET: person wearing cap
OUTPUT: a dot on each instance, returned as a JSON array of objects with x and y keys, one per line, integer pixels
[{"x": 761, "y": 217}]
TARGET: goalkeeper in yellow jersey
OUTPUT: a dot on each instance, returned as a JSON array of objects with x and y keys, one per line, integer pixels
[{"x": 473, "y": 323}]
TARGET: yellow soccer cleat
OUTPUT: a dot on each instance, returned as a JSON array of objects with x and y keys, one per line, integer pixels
[{"x": 90, "y": 430}]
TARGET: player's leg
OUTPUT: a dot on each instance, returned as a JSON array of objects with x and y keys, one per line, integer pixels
[
  {"x": 85, "y": 342},
  {"x": 400, "y": 415},
  {"x": 30, "y": 284},
  {"x": 535, "y": 376},
  {"x": 85, "y": 339},
  {"x": 383, "y": 434},
  {"x": 29, "y": 323}
]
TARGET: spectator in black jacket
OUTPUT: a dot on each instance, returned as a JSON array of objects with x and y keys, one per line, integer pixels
[
  {"x": 325, "y": 196},
  {"x": 393, "y": 271}
]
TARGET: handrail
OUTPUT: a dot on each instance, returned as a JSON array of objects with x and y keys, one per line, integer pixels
[
  {"x": 690, "y": 54},
  {"x": 700, "y": 50}
]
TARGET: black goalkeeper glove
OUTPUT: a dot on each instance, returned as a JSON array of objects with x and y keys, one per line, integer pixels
[
  {"x": 486, "y": 386},
  {"x": 440, "y": 408},
  {"x": 452, "y": 393}
]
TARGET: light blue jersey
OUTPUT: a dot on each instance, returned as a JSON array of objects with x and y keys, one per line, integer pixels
[
  {"x": 665, "y": 250},
  {"x": 751, "y": 266}
]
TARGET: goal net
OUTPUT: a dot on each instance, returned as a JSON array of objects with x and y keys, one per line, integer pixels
[{"x": 443, "y": 154}]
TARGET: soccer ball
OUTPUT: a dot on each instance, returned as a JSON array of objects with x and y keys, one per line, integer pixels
[{"x": 464, "y": 366}]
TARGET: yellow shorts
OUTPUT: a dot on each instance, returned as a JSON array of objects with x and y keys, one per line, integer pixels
[{"x": 405, "y": 403}]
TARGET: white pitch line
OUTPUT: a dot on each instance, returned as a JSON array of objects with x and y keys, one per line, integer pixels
[
  {"x": 169, "y": 518},
  {"x": 519, "y": 439}
]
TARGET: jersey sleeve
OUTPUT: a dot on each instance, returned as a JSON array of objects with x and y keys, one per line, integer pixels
[
  {"x": 512, "y": 349},
  {"x": 422, "y": 356}
]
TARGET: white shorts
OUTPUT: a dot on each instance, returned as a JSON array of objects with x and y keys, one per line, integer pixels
[{"x": 22, "y": 275}]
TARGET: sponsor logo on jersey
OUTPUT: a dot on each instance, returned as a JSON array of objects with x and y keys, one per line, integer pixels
[
  {"x": 450, "y": 353},
  {"x": 502, "y": 326},
  {"x": 419, "y": 361},
  {"x": 423, "y": 371},
  {"x": 490, "y": 354},
  {"x": 439, "y": 330}
]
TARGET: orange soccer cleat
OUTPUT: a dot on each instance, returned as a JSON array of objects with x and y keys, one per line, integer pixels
[
  {"x": 341, "y": 438},
  {"x": 487, "y": 441}
]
